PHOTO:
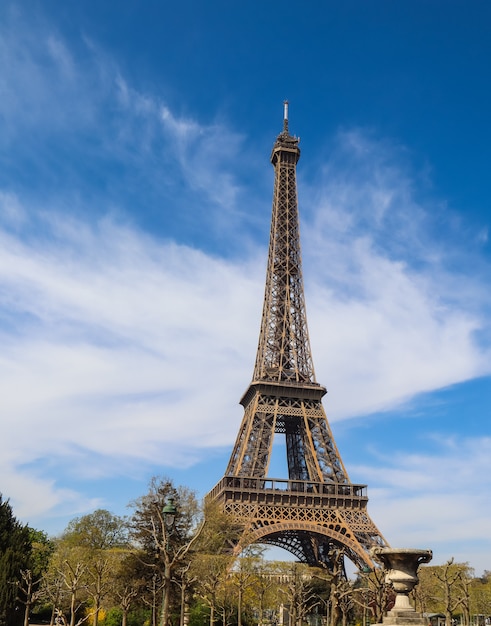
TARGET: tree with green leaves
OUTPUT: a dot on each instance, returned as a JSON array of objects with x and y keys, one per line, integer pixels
[
  {"x": 265, "y": 589},
  {"x": 97, "y": 531},
  {"x": 211, "y": 571},
  {"x": 480, "y": 594},
  {"x": 445, "y": 589},
  {"x": 15, "y": 554},
  {"x": 80, "y": 577},
  {"x": 129, "y": 583}
]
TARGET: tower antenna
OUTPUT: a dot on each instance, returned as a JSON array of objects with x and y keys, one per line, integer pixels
[{"x": 285, "y": 116}]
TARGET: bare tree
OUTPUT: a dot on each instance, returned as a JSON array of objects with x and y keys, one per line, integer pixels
[
  {"x": 98, "y": 584},
  {"x": 449, "y": 575},
  {"x": 337, "y": 579},
  {"x": 211, "y": 572},
  {"x": 128, "y": 582},
  {"x": 164, "y": 548},
  {"x": 372, "y": 593},
  {"x": 51, "y": 590},
  {"x": 28, "y": 592},
  {"x": 299, "y": 593},
  {"x": 72, "y": 575},
  {"x": 243, "y": 577},
  {"x": 126, "y": 595},
  {"x": 263, "y": 586}
]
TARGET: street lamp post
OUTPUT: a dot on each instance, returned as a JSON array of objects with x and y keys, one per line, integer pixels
[
  {"x": 169, "y": 513},
  {"x": 365, "y": 572}
]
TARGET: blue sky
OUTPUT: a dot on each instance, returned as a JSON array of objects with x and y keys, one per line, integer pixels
[{"x": 135, "y": 199}]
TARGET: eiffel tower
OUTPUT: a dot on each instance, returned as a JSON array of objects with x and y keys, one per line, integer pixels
[{"x": 317, "y": 511}]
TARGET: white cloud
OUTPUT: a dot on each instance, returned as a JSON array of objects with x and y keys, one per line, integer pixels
[
  {"x": 204, "y": 154},
  {"x": 114, "y": 342},
  {"x": 111, "y": 345},
  {"x": 435, "y": 500},
  {"x": 81, "y": 117},
  {"x": 390, "y": 340},
  {"x": 391, "y": 312}
]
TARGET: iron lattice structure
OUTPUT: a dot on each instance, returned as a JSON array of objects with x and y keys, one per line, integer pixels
[{"x": 317, "y": 509}]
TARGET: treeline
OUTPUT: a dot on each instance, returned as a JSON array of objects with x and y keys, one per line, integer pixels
[{"x": 170, "y": 563}]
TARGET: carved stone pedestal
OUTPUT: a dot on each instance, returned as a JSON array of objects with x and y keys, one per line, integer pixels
[{"x": 401, "y": 566}]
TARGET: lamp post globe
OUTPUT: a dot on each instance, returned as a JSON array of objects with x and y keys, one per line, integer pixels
[{"x": 169, "y": 512}]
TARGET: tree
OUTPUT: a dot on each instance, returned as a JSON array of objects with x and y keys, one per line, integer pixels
[
  {"x": 427, "y": 591},
  {"x": 264, "y": 589},
  {"x": 243, "y": 576},
  {"x": 52, "y": 590},
  {"x": 220, "y": 533},
  {"x": 445, "y": 589},
  {"x": 98, "y": 583},
  {"x": 165, "y": 548},
  {"x": 211, "y": 572},
  {"x": 29, "y": 588},
  {"x": 67, "y": 583},
  {"x": 337, "y": 578},
  {"x": 91, "y": 543},
  {"x": 451, "y": 576},
  {"x": 480, "y": 593},
  {"x": 42, "y": 550},
  {"x": 212, "y": 559},
  {"x": 15, "y": 552},
  {"x": 227, "y": 602},
  {"x": 73, "y": 578},
  {"x": 298, "y": 589},
  {"x": 372, "y": 593},
  {"x": 100, "y": 530},
  {"x": 129, "y": 582}
]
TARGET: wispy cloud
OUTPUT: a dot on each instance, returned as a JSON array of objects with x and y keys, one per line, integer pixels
[
  {"x": 123, "y": 337},
  {"x": 435, "y": 500},
  {"x": 395, "y": 307},
  {"x": 111, "y": 342},
  {"x": 85, "y": 132}
]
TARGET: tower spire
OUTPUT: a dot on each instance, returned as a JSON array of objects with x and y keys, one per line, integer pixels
[
  {"x": 284, "y": 347},
  {"x": 316, "y": 509}
]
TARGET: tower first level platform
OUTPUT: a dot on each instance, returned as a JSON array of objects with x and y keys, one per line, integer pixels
[{"x": 317, "y": 509}]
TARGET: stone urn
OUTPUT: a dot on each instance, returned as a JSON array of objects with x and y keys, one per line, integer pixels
[{"x": 401, "y": 566}]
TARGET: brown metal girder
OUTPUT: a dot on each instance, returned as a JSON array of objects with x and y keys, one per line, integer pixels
[
  {"x": 296, "y": 550},
  {"x": 312, "y": 457},
  {"x": 256, "y": 535}
]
